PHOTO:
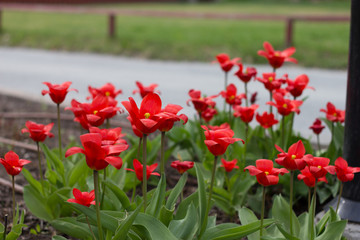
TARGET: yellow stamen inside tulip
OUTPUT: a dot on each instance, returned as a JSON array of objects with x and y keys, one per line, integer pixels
[
  {"x": 293, "y": 156},
  {"x": 277, "y": 54},
  {"x": 319, "y": 167},
  {"x": 284, "y": 105},
  {"x": 147, "y": 115},
  {"x": 96, "y": 111},
  {"x": 246, "y": 71},
  {"x": 334, "y": 114},
  {"x": 231, "y": 97},
  {"x": 271, "y": 79},
  {"x": 107, "y": 94},
  {"x": 267, "y": 173}
]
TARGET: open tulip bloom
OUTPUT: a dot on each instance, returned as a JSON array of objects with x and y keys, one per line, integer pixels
[
  {"x": 277, "y": 58},
  {"x": 225, "y": 62},
  {"x": 297, "y": 86},
  {"x": 38, "y": 132},
  {"x": 229, "y": 165},
  {"x": 138, "y": 169},
  {"x": 266, "y": 120},
  {"x": 83, "y": 198},
  {"x": 108, "y": 90},
  {"x": 57, "y": 92},
  {"x": 333, "y": 114},
  {"x": 182, "y": 166},
  {"x": 294, "y": 158},
  {"x": 247, "y": 75}
]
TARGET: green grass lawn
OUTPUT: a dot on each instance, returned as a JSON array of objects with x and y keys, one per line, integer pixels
[{"x": 318, "y": 44}]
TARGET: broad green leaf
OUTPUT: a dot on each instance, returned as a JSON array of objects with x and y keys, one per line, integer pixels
[
  {"x": 158, "y": 198},
  {"x": 125, "y": 225},
  {"x": 286, "y": 234},
  {"x": 202, "y": 197},
  {"x": 37, "y": 204},
  {"x": 281, "y": 212},
  {"x": 176, "y": 191},
  {"x": 55, "y": 162},
  {"x": 247, "y": 216},
  {"x": 187, "y": 227},
  {"x": 72, "y": 228},
  {"x": 154, "y": 228},
  {"x": 184, "y": 205},
  {"x": 333, "y": 231},
  {"x": 320, "y": 226},
  {"x": 166, "y": 215},
  {"x": 31, "y": 180},
  {"x": 120, "y": 194},
  {"x": 78, "y": 173},
  {"x": 228, "y": 231}
]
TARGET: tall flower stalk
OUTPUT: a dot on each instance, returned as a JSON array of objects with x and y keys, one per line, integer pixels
[
  {"x": 40, "y": 169},
  {"x": 59, "y": 131},
  {"x": 97, "y": 204},
  {"x": 144, "y": 183}
]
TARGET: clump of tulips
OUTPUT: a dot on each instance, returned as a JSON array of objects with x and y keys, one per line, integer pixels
[{"x": 85, "y": 193}]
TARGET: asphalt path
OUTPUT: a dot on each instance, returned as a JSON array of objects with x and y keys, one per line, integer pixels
[{"x": 22, "y": 72}]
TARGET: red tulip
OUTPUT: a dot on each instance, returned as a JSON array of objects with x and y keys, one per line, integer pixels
[
  {"x": 182, "y": 166},
  {"x": 297, "y": 86},
  {"x": 281, "y": 91},
  {"x": 222, "y": 126},
  {"x": 200, "y": 103},
  {"x": 138, "y": 169},
  {"x": 245, "y": 113},
  {"x": 266, "y": 120},
  {"x": 230, "y": 95},
  {"x": 145, "y": 90},
  {"x": 317, "y": 127},
  {"x": 57, "y": 92},
  {"x": 110, "y": 136},
  {"x": 225, "y": 62},
  {"x": 83, "y": 198},
  {"x": 147, "y": 119},
  {"x": 253, "y": 98},
  {"x": 277, "y": 58},
  {"x": 98, "y": 156},
  {"x": 270, "y": 81},
  {"x": 217, "y": 141},
  {"x": 294, "y": 158},
  {"x": 343, "y": 172},
  {"x": 285, "y": 106},
  {"x": 13, "y": 165},
  {"x": 265, "y": 172},
  {"x": 246, "y": 75},
  {"x": 108, "y": 90},
  {"x": 309, "y": 178},
  {"x": 319, "y": 166},
  {"x": 38, "y": 132},
  {"x": 229, "y": 165},
  {"x": 333, "y": 114},
  {"x": 170, "y": 117},
  {"x": 133, "y": 127},
  {"x": 208, "y": 114}
]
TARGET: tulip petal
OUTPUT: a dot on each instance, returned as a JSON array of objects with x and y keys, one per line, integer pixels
[{"x": 114, "y": 161}]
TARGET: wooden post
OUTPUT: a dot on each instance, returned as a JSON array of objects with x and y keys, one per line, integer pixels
[
  {"x": 1, "y": 27},
  {"x": 289, "y": 32},
  {"x": 350, "y": 203},
  {"x": 111, "y": 27}
]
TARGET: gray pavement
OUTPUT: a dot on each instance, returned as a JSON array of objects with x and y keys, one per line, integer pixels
[{"x": 22, "y": 72}]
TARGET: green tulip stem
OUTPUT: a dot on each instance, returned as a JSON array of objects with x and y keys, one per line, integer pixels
[
  {"x": 283, "y": 132},
  {"x": 309, "y": 199},
  {"x": 227, "y": 181},
  {"x": 144, "y": 185},
  {"x": 291, "y": 199},
  {"x": 13, "y": 197},
  {"x": 97, "y": 204},
  {"x": 313, "y": 213},
  {"x": 139, "y": 149},
  {"x": 262, "y": 212},
  {"x": 40, "y": 169},
  {"x": 108, "y": 123},
  {"x": 103, "y": 188},
  {"x": 340, "y": 193},
  {"x": 246, "y": 95},
  {"x": 318, "y": 143},
  {"x": 230, "y": 114},
  {"x": 226, "y": 83},
  {"x": 162, "y": 154},
  {"x": 59, "y": 131},
  {"x": 271, "y": 98},
  {"x": 88, "y": 223}
]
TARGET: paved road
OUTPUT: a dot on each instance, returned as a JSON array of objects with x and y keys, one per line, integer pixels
[{"x": 22, "y": 72}]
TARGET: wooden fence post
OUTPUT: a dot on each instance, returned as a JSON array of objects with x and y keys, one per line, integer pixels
[
  {"x": 111, "y": 25},
  {"x": 289, "y": 32}
]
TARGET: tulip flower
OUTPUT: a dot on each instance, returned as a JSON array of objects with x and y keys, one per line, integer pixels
[
  {"x": 217, "y": 141},
  {"x": 333, "y": 114},
  {"x": 225, "y": 62},
  {"x": 297, "y": 86},
  {"x": 110, "y": 136},
  {"x": 145, "y": 90},
  {"x": 230, "y": 95},
  {"x": 133, "y": 127},
  {"x": 319, "y": 166},
  {"x": 170, "y": 117},
  {"x": 83, "y": 198},
  {"x": 98, "y": 156},
  {"x": 317, "y": 127},
  {"x": 57, "y": 92},
  {"x": 200, "y": 103},
  {"x": 138, "y": 169},
  {"x": 246, "y": 75},
  {"x": 229, "y": 165},
  {"x": 282, "y": 91},
  {"x": 294, "y": 158},
  {"x": 266, "y": 120},
  {"x": 182, "y": 166},
  {"x": 208, "y": 114},
  {"x": 222, "y": 126},
  {"x": 13, "y": 166},
  {"x": 38, "y": 132},
  {"x": 245, "y": 113},
  {"x": 270, "y": 81},
  {"x": 266, "y": 175},
  {"x": 253, "y": 98},
  {"x": 277, "y": 58},
  {"x": 309, "y": 178},
  {"x": 285, "y": 106},
  {"x": 108, "y": 90}
]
